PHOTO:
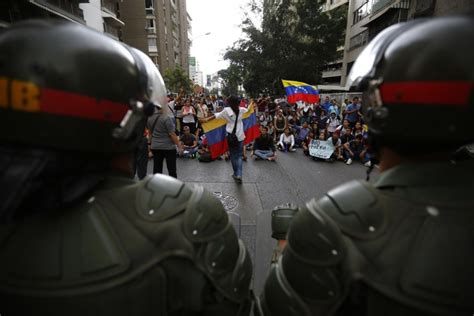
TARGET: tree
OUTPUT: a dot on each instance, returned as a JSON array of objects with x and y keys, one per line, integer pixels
[
  {"x": 294, "y": 41},
  {"x": 177, "y": 80}
]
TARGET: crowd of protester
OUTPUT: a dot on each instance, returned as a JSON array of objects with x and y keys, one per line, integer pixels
[{"x": 283, "y": 127}]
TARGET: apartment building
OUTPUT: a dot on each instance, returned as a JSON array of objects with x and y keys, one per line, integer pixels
[
  {"x": 367, "y": 18},
  {"x": 332, "y": 72},
  {"x": 102, "y": 15},
  {"x": 159, "y": 28}
]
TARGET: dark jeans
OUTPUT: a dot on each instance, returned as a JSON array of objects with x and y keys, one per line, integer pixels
[
  {"x": 236, "y": 159},
  {"x": 170, "y": 156},
  {"x": 141, "y": 158}
]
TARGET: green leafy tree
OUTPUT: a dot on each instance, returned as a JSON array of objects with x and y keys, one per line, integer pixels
[
  {"x": 177, "y": 80},
  {"x": 294, "y": 41},
  {"x": 231, "y": 79}
]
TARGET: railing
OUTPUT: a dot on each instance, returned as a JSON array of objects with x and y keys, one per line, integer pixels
[
  {"x": 359, "y": 39},
  {"x": 69, "y": 7},
  {"x": 110, "y": 5},
  {"x": 362, "y": 12}
]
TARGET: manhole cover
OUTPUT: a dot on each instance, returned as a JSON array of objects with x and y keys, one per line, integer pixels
[{"x": 229, "y": 202}]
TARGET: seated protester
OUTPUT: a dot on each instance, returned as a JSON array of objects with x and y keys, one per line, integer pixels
[
  {"x": 271, "y": 129},
  {"x": 302, "y": 132},
  {"x": 204, "y": 154},
  {"x": 337, "y": 143},
  {"x": 287, "y": 141},
  {"x": 322, "y": 122},
  {"x": 358, "y": 130},
  {"x": 189, "y": 143},
  {"x": 347, "y": 136},
  {"x": 342, "y": 128},
  {"x": 305, "y": 145},
  {"x": 314, "y": 127},
  {"x": 332, "y": 123},
  {"x": 263, "y": 146},
  {"x": 355, "y": 150},
  {"x": 293, "y": 120},
  {"x": 310, "y": 118}
]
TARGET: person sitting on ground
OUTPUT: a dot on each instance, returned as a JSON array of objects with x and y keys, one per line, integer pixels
[
  {"x": 355, "y": 150},
  {"x": 307, "y": 141},
  {"x": 332, "y": 123},
  {"x": 302, "y": 132},
  {"x": 336, "y": 142},
  {"x": 287, "y": 141},
  {"x": 347, "y": 136},
  {"x": 358, "y": 130},
  {"x": 263, "y": 146},
  {"x": 189, "y": 143},
  {"x": 342, "y": 128},
  {"x": 322, "y": 121}
]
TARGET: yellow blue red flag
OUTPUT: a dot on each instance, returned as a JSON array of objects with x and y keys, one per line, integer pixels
[
  {"x": 216, "y": 134},
  {"x": 300, "y": 91}
]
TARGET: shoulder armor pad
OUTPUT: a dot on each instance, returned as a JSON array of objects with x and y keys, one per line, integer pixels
[
  {"x": 355, "y": 208},
  {"x": 205, "y": 218},
  {"x": 161, "y": 197}
]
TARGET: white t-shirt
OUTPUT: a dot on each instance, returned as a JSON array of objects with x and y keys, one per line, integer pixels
[
  {"x": 229, "y": 115},
  {"x": 290, "y": 139}
]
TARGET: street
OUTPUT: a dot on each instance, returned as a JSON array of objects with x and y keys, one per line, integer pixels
[{"x": 293, "y": 177}]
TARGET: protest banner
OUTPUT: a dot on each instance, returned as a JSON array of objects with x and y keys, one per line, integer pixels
[{"x": 321, "y": 149}]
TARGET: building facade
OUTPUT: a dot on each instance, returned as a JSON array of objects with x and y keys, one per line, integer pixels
[
  {"x": 367, "y": 18},
  {"x": 102, "y": 15},
  {"x": 160, "y": 29}
]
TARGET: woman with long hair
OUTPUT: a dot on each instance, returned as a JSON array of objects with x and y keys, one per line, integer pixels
[{"x": 235, "y": 133}]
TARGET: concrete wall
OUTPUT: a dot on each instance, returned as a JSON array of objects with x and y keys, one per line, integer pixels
[
  {"x": 132, "y": 13},
  {"x": 93, "y": 14}
]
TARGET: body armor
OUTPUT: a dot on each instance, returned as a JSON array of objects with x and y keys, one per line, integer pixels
[
  {"x": 155, "y": 247},
  {"x": 400, "y": 247}
]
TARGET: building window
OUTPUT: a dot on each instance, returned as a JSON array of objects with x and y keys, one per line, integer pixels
[
  {"x": 152, "y": 45},
  {"x": 359, "y": 39}
]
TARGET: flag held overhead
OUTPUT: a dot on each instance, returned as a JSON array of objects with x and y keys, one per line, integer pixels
[{"x": 300, "y": 91}]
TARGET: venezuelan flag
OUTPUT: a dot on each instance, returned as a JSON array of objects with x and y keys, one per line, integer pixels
[
  {"x": 216, "y": 133},
  {"x": 300, "y": 91}
]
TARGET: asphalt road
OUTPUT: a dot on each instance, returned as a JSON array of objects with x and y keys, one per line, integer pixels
[{"x": 293, "y": 177}]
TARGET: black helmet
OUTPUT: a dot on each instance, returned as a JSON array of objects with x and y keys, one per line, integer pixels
[
  {"x": 65, "y": 86},
  {"x": 418, "y": 80}
]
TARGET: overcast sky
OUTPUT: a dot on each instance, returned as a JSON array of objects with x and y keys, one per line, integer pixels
[{"x": 220, "y": 17}]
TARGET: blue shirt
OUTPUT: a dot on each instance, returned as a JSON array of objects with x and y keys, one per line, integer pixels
[
  {"x": 335, "y": 109},
  {"x": 352, "y": 117},
  {"x": 326, "y": 106}
]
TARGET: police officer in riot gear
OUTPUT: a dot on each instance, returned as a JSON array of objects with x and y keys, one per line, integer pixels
[
  {"x": 402, "y": 246},
  {"x": 77, "y": 235}
]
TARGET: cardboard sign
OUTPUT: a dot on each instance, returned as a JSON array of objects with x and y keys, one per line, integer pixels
[{"x": 321, "y": 149}]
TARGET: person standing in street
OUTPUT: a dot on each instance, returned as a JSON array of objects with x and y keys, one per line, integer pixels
[
  {"x": 231, "y": 114},
  {"x": 163, "y": 140}
]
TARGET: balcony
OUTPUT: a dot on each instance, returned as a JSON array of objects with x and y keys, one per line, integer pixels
[
  {"x": 151, "y": 30},
  {"x": 332, "y": 73},
  {"x": 65, "y": 9},
  {"x": 150, "y": 11},
  {"x": 110, "y": 5}
]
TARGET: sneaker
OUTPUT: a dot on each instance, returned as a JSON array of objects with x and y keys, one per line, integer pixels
[
  {"x": 368, "y": 164},
  {"x": 292, "y": 149},
  {"x": 349, "y": 161},
  {"x": 237, "y": 178}
]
